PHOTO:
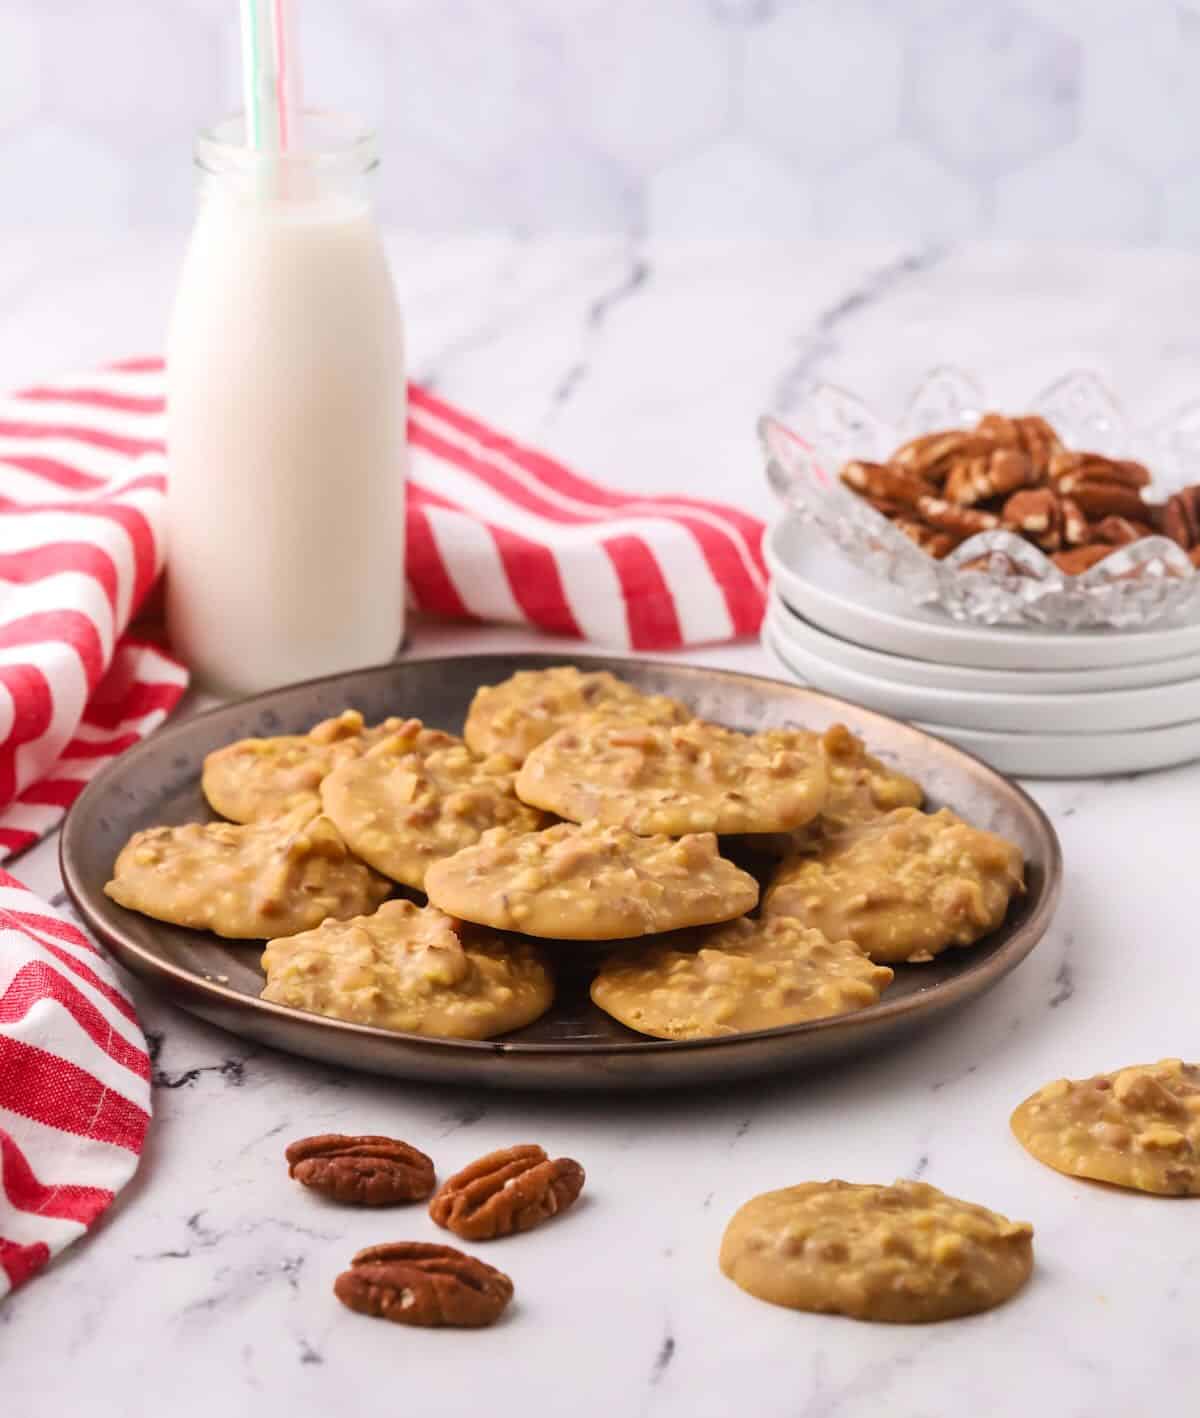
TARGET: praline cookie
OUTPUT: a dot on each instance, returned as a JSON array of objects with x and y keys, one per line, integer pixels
[
  {"x": 1138, "y": 1127},
  {"x": 246, "y": 881},
  {"x": 420, "y": 795},
  {"x": 728, "y": 979},
  {"x": 904, "y": 1254},
  {"x": 905, "y": 887},
  {"x": 862, "y": 789},
  {"x": 264, "y": 777},
  {"x": 695, "y": 777},
  {"x": 513, "y": 717},
  {"x": 414, "y": 969},
  {"x": 590, "y": 883}
]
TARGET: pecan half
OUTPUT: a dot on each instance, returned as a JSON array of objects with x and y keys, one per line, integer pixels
[
  {"x": 931, "y": 455},
  {"x": 884, "y": 482},
  {"x": 1120, "y": 531},
  {"x": 995, "y": 473},
  {"x": 1181, "y": 517},
  {"x": 961, "y": 522},
  {"x": 1080, "y": 559},
  {"x": 511, "y": 1190},
  {"x": 937, "y": 544},
  {"x": 412, "y": 1282},
  {"x": 1097, "y": 500},
  {"x": 1030, "y": 433},
  {"x": 1069, "y": 470},
  {"x": 1038, "y": 512},
  {"x": 1046, "y": 518},
  {"x": 361, "y": 1171}
]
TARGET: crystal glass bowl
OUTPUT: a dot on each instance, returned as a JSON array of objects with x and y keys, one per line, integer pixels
[{"x": 1011, "y": 581}]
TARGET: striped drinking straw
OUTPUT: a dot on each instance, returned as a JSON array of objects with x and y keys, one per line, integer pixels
[{"x": 270, "y": 74}]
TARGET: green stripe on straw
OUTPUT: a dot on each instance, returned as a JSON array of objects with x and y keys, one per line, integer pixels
[{"x": 252, "y": 72}]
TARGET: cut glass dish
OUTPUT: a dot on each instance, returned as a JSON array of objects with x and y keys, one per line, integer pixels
[{"x": 1012, "y": 582}]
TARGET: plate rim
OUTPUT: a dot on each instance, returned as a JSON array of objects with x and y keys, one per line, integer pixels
[
  {"x": 795, "y": 625},
  {"x": 947, "y": 993},
  {"x": 1010, "y": 699}
]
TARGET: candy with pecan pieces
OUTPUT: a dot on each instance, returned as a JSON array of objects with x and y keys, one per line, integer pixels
[
  {"x": 361, "y": 1171},
  {"x": 1181, "y": 518},
  {"x": 507, "y": 1191},
  {"x": 412, "y": 1282}
]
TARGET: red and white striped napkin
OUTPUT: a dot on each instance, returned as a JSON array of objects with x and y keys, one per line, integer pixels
[
  {"x": 74, "y": 1084},
  {"x": 496, "y": 531}
]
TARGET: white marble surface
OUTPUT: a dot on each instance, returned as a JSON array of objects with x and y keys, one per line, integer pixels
[{"x": 207, "y": 1289}]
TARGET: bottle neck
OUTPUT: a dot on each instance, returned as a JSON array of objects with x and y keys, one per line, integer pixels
[{"x": 333, "y": 162}]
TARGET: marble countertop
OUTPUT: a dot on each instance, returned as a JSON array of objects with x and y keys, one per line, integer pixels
[{"x": 207, "y": 1288}]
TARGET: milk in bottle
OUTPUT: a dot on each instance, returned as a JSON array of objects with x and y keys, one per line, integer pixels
[{"x": 285, "y": 419}]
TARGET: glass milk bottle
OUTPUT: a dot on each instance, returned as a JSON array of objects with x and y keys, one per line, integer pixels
[{"x": 285, "y": 417}]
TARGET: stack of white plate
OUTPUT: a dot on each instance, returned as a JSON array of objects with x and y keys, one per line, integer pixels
[{"x": 1044, "y": 703}]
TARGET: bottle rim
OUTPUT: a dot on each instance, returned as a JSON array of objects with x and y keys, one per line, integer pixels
[{"x": 333, "y": 142}]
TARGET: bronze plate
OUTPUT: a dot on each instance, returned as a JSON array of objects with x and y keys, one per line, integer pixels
[{"x": 574, "y": 1046}]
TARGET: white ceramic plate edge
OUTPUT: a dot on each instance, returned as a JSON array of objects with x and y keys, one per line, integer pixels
[
  {"x": 1054, "y": 755},
  {"x": 1107, "y": 711},
  {"x": 852, "y": 656}
]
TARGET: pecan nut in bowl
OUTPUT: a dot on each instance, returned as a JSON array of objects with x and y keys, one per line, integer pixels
[
  {"x": 1070, "y": 470},
  {"x": 1030, "y": 433},
  {"x": 992, "y": 474},
  {"x": 882, "y": 482},
  {"x": 958, "y": 521},
  {"x": 937, "y": 544},
  {"x": 361, "y": 1171},
  {"x": 514, "y": 1189},
  {"x": 1120, "y": 531},
  {"x": 1046, "y": 518},
  {"x": 413, "y": 1282},
  {"x": 1080, "y": 559},
  {"x": 1181, "y": 518},
  {"x": 932, "y": 455}
]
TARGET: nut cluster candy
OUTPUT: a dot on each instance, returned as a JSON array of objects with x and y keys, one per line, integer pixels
[{"x": 1014, "y": 473}]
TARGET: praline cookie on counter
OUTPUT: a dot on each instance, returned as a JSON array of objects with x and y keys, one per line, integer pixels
[
  {"x": 245, "y": 881},
  {"x": 1137, "y": 1128},
  {"x": 590, "y": 882},
  {"x": 419, "y": 795},
  {"x": 413, "y": 969},
  {"x": 904, "y": 1254},
  {"x": 513, "y": 717},
  {"x": 695, "y": 777},
  {"x": 905, "y": 887},
  {"x": 729, "y": 979},
  {"x": 263, "y": 777}
]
